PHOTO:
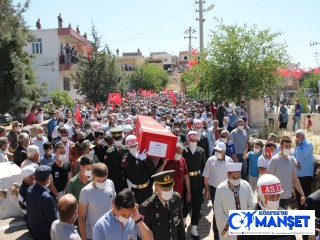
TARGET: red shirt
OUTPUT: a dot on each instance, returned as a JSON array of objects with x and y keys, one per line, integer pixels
[
  {"x": 181, "y": 170},
  {"x": 30, "y": 119}
]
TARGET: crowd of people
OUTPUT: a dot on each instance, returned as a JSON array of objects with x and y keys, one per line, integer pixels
[{"x": 85, "y": 178}]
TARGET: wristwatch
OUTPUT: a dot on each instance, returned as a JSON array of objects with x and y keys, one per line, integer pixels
[{"x": 139, "y": 220}]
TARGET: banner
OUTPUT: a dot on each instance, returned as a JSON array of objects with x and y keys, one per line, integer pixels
[{"x": 114, "y": 98}]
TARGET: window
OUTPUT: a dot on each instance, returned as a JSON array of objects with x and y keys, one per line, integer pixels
[
  {"x": 37, "y": 46},
  {"x": 185, "y": 58},
  {"x": 66, "y": 84}
]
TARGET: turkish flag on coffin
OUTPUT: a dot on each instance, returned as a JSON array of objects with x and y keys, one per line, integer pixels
[{"x": 156, "y": 139}]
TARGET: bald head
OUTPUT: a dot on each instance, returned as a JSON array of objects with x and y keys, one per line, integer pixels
[{"x": 67, "y": 206}]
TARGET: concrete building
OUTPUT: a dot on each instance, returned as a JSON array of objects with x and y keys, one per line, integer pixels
[
  {"x": 130, "y": 60},
  {"x": 167, "y": 61},
  {"x": 184, "y": 57},
  {"x": 51, "y": 62}
]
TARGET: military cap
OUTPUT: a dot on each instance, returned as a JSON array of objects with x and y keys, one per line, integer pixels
[
  {"x": 42, "y": 172},
  {"x": 164, "y": 179},
  {"x": 116, "y": 132}
]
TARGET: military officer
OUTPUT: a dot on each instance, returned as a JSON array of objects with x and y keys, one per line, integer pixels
[
  {"x": 162, "y": 212},
  {"x": 138, "y": 168},
  {"x": 114, "y": 158},
  {"x": 196, "y": 160}
]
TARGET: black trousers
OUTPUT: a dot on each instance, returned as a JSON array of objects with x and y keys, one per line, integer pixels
[
  {"x": 196, "y": 200},
  {"x": 305, "y": 183},
  {"x": 283, "y": 125}
]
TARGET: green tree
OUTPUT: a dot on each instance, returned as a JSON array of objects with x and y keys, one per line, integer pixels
[
  {"x": 241, "y": 62},
  {"x": 95, "y": 77},
  {"x": 18, "y": 88},
  {"x": 150, "y": 77},
  {"x": 312, "y": 82},
  {"x": 60, "y": 97}
]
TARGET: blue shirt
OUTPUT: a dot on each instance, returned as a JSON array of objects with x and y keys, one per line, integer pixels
[
  {"x": 299, "y": 108},
  {"x": 253, "y": 163},
  {"x": 230, "y": 150},
  {"x": 239, "y": 138},
  {"x": 45, "y": 161},
  {"x": 232, "y": 119},
  {"x": 51, "y": 125},
  {"x": 303, "y": 153},
  {"x": 108, "y": 227}
]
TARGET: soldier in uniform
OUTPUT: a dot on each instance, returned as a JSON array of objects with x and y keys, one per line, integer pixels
[
  {"x": 196, "y": 160},
  {"x": 113, "y": 160},
  {"x": 202, "y": 140},
  {"x": 162, "y": 212},
  {"x": 138, "y": 169}
]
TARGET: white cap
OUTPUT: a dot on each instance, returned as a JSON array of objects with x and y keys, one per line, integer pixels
[
  {"x": 131, "y": 140},
  {"x": 127, "y": 128},
  {"x": 197, "y": 123},
  {"x": 234, "y": 167},
  {"x": 269, "y": 184},
  {"x": 220, "y": 146},
  {"x": 300, "y": 131},
  {"x": 28, "y": 170},
  {"x": 193, "y": 135}
]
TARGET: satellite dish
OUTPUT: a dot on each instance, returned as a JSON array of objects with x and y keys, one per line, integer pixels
[{"x": 210, "y": 7}]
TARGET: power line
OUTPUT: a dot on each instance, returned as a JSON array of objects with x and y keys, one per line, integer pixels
[
  {"x": 152, "y": 28},
  {"x": 189, "y": 31}
]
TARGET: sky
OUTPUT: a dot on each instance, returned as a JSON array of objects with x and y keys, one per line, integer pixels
[{"x": 159, "y": 26}]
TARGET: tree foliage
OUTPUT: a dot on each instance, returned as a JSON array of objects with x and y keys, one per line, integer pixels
[
  {"x": 60, "y": 97},
  {"x": 95, "y": 77},
  {"x": 241, "y": 62},
  {"x": 150, "y": 77},
  {"x": 18, "y": 88},
  {"x": 312, "y": 82}
]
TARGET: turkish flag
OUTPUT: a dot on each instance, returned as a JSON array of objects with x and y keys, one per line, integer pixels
[
  {"x": 78, "y": 116},
  {"x": 173, "y": 98},
  {"x": 114, "y": 98}
]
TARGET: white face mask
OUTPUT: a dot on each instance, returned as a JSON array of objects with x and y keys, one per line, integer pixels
[
  {"x": 88, "y": 131},
  {"x": 91, "y": 153},
  {"x": 118, "y": 143},
  {"x": 286, "y": 151},
  {"x": 123, "y": 220},
  {"x": 240, "y": 127},
  {"x": 224, "y": 140},
  {"x": 87, "y": 173},
  {"x": 218, "y": 155},
  {"x": 64, "y": 139},
  {"x": 50, "y": 151},
  {"x": 177, "y": 157},
  {"x": 167, "y": 195},
  {"x": 83, "y": 120},
  {"x": 69, "y": 119},
  {"x": 101, "y": 185},
  {"x": 77, "y": 130},
  {"x": 230, "y": 114},
  {"x": 40, "y": 135},
  {"x": 256, "y": 150},
  {"x": 62, "y": 158},
  {"x": 61, "y": 124},
  {"x": 273, "y": 205},
  {"x": 101, "y": 141},
  {"x": 133, "y": 151},
  {"x": 192, "y": 145},
  {"x": 197, "y": 115},
  {"x": 234, "y": 182}
]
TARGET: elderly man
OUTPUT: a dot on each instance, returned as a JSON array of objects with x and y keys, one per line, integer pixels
[
  {"x": 163, "y": 210},
  {"x": 122, "y": 221},
  {"x": 196, "y": 160},
  {"x": 64, "y": 227},
  {"x": 232, "y": 194},
  {"x": 214, "y": 173},
  {"x": 240, "y": 137},
  {"x": 230, "y": 148},
  {"x": 39, "y": 140},
  {"x": 303, "y": 154},
  {"x": 20, "y": 154},
  {"x": 226, "y": 125},
  {"x": 33, "y": 156},
  {"x": 41, "y": 210},
  {"x": 282, "y": 165},
  {"x": 28, "y": 179},
  {"x": 3, "y": 149}
]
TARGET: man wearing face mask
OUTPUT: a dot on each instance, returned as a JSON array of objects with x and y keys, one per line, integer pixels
[
  {"x": 64, "y": 227},
  {"x": 20, "y": 154},
  {"x": 232, "y": 194},
  {"x": 282, "y": 165},
  {"x": 212, "y": 136},
  {"x": 76, "y": 151},
  {"x": 232, "y": 118},
  {"x": 162, "y": 212},
  {"x": 196, "y": 159},
  {"x": 138, "y": 169},
  {"x": 52, "y": 124},
  {"x": 123, "y": 221},
  {"x": 95, "y": 200},
  {"x": 304, "y": 162},
  {"x": 163, "y": 122},
  {"x": 61, "y": 124},
  {"x": 202, "y": 140},
  {"x": 42, "y": 210},
  {"x": 100, "y": 148},
  {"x": 114, "y": 158},
  {"x": 33, "y": 156},
  {"x": 60, "y": 172},
  {"x": 269, "y": 189},
  {"x": 67, "y": 144},
  {"x": 83, "y": 178},
  {"x": 40, "y": 139},
  {"x": 88, "y": 131},
  {"x": 240, "y": 138}
]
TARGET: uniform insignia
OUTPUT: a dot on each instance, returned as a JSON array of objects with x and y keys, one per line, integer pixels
[{"x": 157, "y": 215}]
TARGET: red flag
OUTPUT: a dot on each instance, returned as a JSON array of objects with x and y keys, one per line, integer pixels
[
  {"x": 78, "y": 116},
  {"x": 114, "y": 98},
  {"x": 97, "y": 106},
  {"x": 173, "y": 98}
]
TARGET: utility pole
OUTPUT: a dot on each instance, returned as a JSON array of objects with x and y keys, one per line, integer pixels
[
  {"x": 201, "y": 20},
  {"x": 190, "y": 31},
  {"x": 316, "y": 52}
]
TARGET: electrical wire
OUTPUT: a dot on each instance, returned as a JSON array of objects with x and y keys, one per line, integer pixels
[{"x": 152, "y": 28}]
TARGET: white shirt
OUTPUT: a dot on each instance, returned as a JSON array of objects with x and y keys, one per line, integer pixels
[
  {"x": 216, "y": 170},
  {"x": 55, "y": 133},
  {"x": 3, "y": 156},
  {"x": 39, "y": 144}
]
